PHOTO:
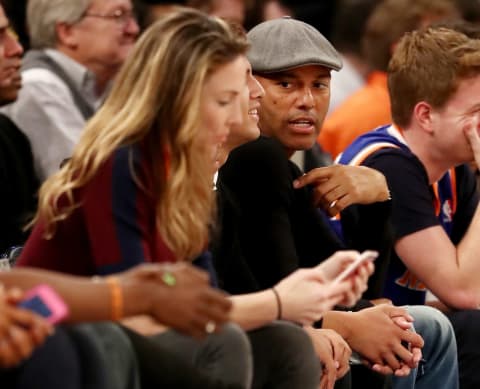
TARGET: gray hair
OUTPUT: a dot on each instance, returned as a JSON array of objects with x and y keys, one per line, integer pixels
[{"x": 43, "y": 16}]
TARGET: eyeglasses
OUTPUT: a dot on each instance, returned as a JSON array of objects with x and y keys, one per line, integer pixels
[{"x": 119, "y": 16}]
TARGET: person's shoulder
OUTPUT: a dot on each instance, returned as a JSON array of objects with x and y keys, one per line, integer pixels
[
  {"x": 41, "y": 87},
  {"x": 119, "y": 174},
  {"x": 41, "y": 76},
  {"x": 401, "y": 168},
  {"x": 37, "y": 72},
  {"x": 123, "y": 163},
  {"x": 10, "y": 129},
  {"x": 392, "y": 156},
  {"x": 263, "y": 153},
  {"x": 13, "y": 141},
  {"x": 259, "y": 148},
  {"x": 262, "y": 163}
]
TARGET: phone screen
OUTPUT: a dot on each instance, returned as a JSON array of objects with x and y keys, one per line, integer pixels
[
  {"x": 44, "y": 301},
  {"x": 36, "y": 305}
]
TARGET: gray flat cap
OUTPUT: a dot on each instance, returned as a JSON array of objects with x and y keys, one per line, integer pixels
[{"x": 286, "y": 43}]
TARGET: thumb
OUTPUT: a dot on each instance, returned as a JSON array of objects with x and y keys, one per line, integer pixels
[
  {"x": 14, "y": 295},
  {"x": 337, "y": 288},
  {"x": 315, "y": 274}
]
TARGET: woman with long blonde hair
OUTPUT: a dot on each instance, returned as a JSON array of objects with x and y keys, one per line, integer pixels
[{"x": 138, "y": 187}]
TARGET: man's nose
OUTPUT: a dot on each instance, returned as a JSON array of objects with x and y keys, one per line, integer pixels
[
  {"x": 132, "y": 27},
  {"x": 13, "y": 47},
  {"x": 306, "y": 99}
]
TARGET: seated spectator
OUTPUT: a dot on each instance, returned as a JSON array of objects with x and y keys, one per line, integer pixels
[
  {"x": 293, "y": 298},
  {"x": 124, "y": 197},
  {"x": 78, "y": 47},
  {"x": 369, "y": 107},
  {"x": 433, "y": 81},
  {"x": 17, "y": 177}
]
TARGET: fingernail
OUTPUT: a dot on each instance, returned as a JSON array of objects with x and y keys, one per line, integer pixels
[
  {"x": 295, "y": 184},
  {"x": 337, "y": 364}
]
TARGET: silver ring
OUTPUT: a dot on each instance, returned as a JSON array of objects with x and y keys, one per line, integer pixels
[
  {"x": 210, "y": 327},
  {"x": 333, "y": 203}
]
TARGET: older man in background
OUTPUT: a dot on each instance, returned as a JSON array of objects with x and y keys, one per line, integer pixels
[{"x": 77, "y": 48}]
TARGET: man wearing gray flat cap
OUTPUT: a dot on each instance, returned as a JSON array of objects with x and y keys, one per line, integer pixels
[
  {"x": 283, "y": 225},
  {"x": 287, "y": 43}
]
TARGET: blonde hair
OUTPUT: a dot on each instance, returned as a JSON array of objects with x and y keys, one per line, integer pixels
[{"x": 156, "y": 99}]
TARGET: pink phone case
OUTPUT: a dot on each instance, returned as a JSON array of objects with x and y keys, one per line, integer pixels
[{"x": 43, "y": 300}]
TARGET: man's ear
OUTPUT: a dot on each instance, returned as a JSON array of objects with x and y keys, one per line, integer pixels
[
  {"x": 423, "y": 115},
  {"x": 66, "y": 35}
]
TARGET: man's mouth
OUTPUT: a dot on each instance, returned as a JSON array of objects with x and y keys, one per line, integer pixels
[
  {"x": 302, "y": 122},
  {"x": 302, "y": 125}
]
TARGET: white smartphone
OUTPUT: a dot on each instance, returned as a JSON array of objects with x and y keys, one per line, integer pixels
[{"x": 368, "y": 255}]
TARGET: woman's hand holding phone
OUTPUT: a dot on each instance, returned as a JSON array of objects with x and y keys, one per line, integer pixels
[
  {"x": 305, "y": 295},
  {"x": 355, "y": 266},
  {"x": 352, "y": 268},
  {"x": 340, "y": 280}
]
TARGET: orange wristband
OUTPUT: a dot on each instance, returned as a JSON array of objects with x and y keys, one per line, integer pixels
[{"x": 116, "y": 298}]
